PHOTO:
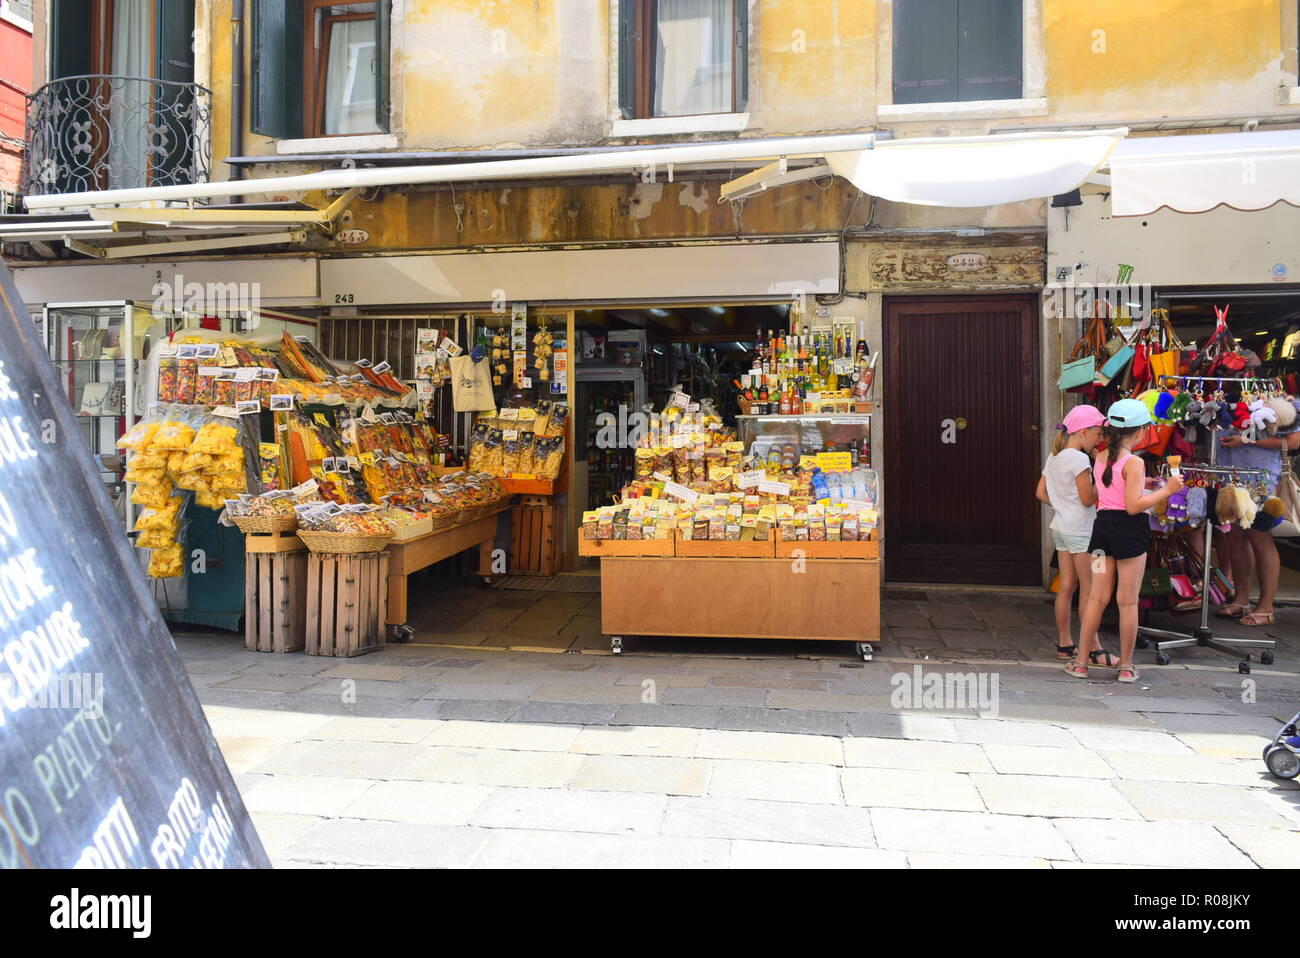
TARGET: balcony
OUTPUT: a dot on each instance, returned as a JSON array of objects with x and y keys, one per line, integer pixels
[{"x": 116, "y": 132}]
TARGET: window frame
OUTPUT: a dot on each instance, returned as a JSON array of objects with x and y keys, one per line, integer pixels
[{"x": 314, "y": 62}]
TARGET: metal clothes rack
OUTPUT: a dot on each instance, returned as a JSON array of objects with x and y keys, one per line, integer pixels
[{"x": 1204, "y": 635}]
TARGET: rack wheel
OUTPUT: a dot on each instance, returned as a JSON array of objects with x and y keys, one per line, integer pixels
[
  {"x": 1143, "y": 641},
  {"x": 1266, "y": 657},
  {"x": 864, "y": 649},
  {"x": 403, "y": 633},
  {"x": 616, "y": 644},
  {"x": 1243, "y": 668},
  {"x": 487, "y": 581},
  {"x": 1162, "y": 658},
  {"x": 1282, "y": 762}
]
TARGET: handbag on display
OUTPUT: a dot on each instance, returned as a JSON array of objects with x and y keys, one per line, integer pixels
[
  {"x": 1079, "y": 371},
  {"x": 1288, "y": 490},
  {"x": 1155, "y": 438},
  {"x": 1156, "y": 582}
]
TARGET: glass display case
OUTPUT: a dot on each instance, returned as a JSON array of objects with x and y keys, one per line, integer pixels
[
  {"x": 807, "y": 435},
  {"x": 100, "y": 351}
]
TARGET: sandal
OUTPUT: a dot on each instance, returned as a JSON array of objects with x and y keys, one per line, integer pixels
[
  {"x": 1066, "y": 651},
  {"x": 1076, "y": 669},
  {"x": 1256, "y": 619},
  {"x": 1127, "y": 674},
  {"x": 1110, "y": 663},
  {"x": 1234, "y": 610}
]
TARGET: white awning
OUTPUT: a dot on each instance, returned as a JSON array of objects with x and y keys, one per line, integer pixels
[
  {"x": 977, "y": 170},
  {"x": 1195, "y": 173}
]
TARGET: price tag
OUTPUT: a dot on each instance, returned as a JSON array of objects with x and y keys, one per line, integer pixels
[
  {"x": 308, "y": 488},
  {"x": 363, "y": 363},
  {"x": 449, "y": 347},
  {"x": 228, "y": 412},
  {"x": 281, "y": 402},
  {"x": 264, "y": 372},
  {"x": 247, "y": 374},
  {"x": 207, "y": 351},
  {"x": 661, "y": 476},
  {"x": 774, "y": 488},
  {"x": 209, "y": 370},
  {"x": 328, "y": 465},
  {"x": 807, "y": 462},
  {"x": 680, "y": 492},
  {"x": 382, "y": 368},
  {"x": 834, "y": 461},
  {"x": 246, "y": 406},
  {"x": 681, "y": 400},
  {"x": 748, "y": 480}
]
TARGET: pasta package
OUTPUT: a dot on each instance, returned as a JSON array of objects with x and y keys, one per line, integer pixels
[
  {"x": 548, "y": 455},
  {"x": 166, "y": 562},
  {"x": 153, "y": 495}
]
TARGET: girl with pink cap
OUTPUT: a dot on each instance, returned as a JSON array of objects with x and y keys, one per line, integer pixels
[{"x": 1066, "y": 486}]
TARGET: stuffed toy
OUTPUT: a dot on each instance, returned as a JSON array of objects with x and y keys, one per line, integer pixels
[
  {"x": 1240, "y": 415},
  {"x": 1263, "y": 416},
  {"x": 1178, "y": 409},
  {"x": 1196, "y": 502},
  {"x": 1285, "y": 410},
  {"x": 1235, "y": 505},
  {"x": 1270, "y": 514},
  {"x": 1176, "y": 504}
]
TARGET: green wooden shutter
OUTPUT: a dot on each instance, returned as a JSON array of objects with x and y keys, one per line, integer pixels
[
  {"x": 276, "y": 81},
  {"x": 991, "y": 58},
  {"x": 69, "y": 38},
  {"x": 627, "y": 10},
  {"x": 926, "y": 51},
  {"x": 178, "y": 162},
  {"x": 175, "y": 41},
  {"x": 383, "y": 43},
  {"x": 742, "y": 55}
]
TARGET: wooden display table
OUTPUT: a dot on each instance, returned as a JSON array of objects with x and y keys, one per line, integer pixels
[
  {"x": 832, "y": 599},
  {"x": 423, "y": 551}
]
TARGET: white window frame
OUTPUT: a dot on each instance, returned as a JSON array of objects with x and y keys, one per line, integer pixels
[{"x": 1033, "y": 86}]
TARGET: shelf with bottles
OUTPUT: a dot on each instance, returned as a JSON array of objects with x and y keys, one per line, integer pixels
[{"x": 808, "y": 370}]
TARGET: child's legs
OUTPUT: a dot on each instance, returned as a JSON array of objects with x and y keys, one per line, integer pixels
[
  {"x": 1126, "y": 597},
  {"x": 1082, "y": 563},
  {"x": 1103, "y": 577},
  {"x": 1068, "y": 582}
]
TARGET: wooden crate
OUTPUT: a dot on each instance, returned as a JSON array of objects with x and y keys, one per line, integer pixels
[
  {"x": 870, "y": 549},
  {"x": 535, "y": 526},
  {"x": 272, "y": 542},
  {"x": 347, "y": 600},
  {"x": 275, "y": 597},
  {"x": 626, "y": 547},
  {"x": 716, "y": 549}
]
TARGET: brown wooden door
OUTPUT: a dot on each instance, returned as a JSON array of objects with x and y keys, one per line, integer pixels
[{"x": 964, "y": 510}]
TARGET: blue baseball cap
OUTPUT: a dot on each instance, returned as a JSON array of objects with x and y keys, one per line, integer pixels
[{"x": 1129, "y": 414}]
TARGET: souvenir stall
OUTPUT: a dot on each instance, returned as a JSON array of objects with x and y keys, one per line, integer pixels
[
  {"x": 1197, "y": 395},
  {"x": 764, "y": 529}
]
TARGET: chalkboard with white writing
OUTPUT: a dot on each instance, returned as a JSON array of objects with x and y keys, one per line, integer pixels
[{"x": 107, "y": 759}]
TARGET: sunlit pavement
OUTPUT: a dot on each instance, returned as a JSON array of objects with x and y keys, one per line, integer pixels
[{"x": 464, "y": 749}]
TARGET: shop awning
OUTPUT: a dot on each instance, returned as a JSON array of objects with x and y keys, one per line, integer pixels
[
  {"x": 977, "y": 170},
  {"x": 1195, "y": 173}
]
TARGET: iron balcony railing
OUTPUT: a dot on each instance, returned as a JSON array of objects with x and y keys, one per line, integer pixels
[{"x": 105, "y": 132}]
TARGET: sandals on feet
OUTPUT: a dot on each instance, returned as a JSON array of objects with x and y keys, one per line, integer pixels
[
  {"x": 1234, "y": 610},
  {"x": 1256, "y": 618},
  {"x": 1127, "y": 674},
  {"x": 1076, "y": 669},
  {"x": 1066, "y": 651},
  {"x": 1095, "y": 656}
]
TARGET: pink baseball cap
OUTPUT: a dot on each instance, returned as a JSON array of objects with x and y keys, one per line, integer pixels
[{"x": 1081, "y": 417}]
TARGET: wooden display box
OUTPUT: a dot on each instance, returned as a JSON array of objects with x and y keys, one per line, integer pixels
[
  {"x": 626, "y": 547},
  {"x": 534, "y": 537},
  {"x": 347, "y": 601},
  {"x": 869, "y": 549},
  {"x": 717, "y": 549},
  {"x": 528, "y": 487},
  {"x": 414, "y": 530},
  {"x": 272, "y": 542},
  {"x": 828, "y": 599},
  {"x": 275, "y": 597}
]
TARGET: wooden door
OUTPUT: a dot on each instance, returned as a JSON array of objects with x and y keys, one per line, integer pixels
[{"x": 959, "y": 502}]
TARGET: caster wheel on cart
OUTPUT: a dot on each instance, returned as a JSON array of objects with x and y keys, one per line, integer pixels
[
  {"x": 1162, "y": 658},
  {"x": 403, "y": 633},
  {"x": 1143, "y": 641},
  {"x": 1266, "y": 657},
  {"x": 487, "y": 582},
  {"x": 616, "y": 644},
  {"x": 864, "y": 649},
  {"x": 1243, "y": 668},
  {"x": 1282, "y": 762}
]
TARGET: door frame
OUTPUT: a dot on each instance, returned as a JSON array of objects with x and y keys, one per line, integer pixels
[{"x": 895, "y": 443}]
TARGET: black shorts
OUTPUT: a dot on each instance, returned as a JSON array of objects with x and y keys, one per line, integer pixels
[{"x": 1119, "y": 535}]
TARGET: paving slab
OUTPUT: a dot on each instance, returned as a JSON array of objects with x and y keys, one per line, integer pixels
[
  {"x": 770, "y": 746},
  {"x": 279, "y": 830},
  {"x": 569, "y": 810},
  {"x": 418, "y": 803},
  {"x": 967, "y": 833},
  {"x": 485, "y": 766},
  {"x": 642, "y": 773},
  {"x": 681, "y": 716},
  {"x": 1103, "y": 738},
  {"x": 518, "y": 736},
  {"x": 244, "y": 753},
  {"x": 1047, "y": 760},
  {"x": 638, "y": 740},
  {"x": 348, "y": 841},
  {"x": 1049, "y": 796},
  {"x": 798, "y": 721},
  {"x": 524, "y": 848},
  {"x": 377, "y": 760},
  {"x": 1155, "y": 844},
  {"x": 478, "y": 710},
  {"x": 350, "y": 729},
  {"x": 1194, "y": 802},
  {"x": 1187, "y": 767},
  {"x": 776, "y": 781},
  {"x": 1266, "y": 847},
  {"x": 1002, "y": 732},
  {"x": 915, "y": 755},
  {"x": 317, "y": 795},
  {"x": 743, "y": 818},
  {"x": 565, "y": 713},
  {"x": 498, "y": 692},
  {"x": 911, "y": 725},
  {"x": 948, "y": 861},
  {"x": 908, "y": 788},
  {"x": 784, "y": 855}
]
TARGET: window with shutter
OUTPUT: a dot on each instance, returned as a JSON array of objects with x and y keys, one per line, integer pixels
[{"x": 957, "y": 50}]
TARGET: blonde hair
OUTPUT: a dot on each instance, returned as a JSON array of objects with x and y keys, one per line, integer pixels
[{"x": 1062, "y": 437}]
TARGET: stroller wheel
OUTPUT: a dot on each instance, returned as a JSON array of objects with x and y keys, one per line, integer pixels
[{"x": 1282, "y": 762}]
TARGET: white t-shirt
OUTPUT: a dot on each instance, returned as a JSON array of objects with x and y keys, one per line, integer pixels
[{"x": 1072, "y": 517}]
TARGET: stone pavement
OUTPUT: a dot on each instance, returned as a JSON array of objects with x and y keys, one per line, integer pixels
[{"x": 464, "y": 749}]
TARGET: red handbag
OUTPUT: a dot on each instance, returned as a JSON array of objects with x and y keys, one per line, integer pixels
[
  {"x": 1141, "y": 368},
  {"x": 1154, "y": 439}
]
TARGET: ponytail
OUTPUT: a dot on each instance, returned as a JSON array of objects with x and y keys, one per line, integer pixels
[
  {"x": 1114, "y": 439},
  {"x": 1058, "y": 443}
]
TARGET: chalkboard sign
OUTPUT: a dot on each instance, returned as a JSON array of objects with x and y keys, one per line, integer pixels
[{"x": 108, "y": 761}]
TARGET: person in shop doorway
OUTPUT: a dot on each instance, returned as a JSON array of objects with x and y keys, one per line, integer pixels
[
  {"x": 1121, "y": 535},
  {"x": 1252, "y": 552},
  {"x": 1066, "y": 486}
]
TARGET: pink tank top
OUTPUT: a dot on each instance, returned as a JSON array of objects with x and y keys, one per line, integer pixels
[{"x": 1112, "y": 496}]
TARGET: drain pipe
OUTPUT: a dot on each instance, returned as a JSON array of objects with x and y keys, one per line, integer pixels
[{"x": 236, "y": 86}]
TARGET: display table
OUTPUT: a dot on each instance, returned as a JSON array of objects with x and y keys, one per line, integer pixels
[
  {"x": 799, "y": 597},
  {"x": 419, "y": 553}
]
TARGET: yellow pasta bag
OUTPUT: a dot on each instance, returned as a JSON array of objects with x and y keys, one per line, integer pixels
[
  {"x": 172, "y": 435},
  {"x": 155, "y": 496},
  {"x": 227, "y": 482},
  {"x": 210, "y": 500},
  {"x": 175, "y": 460},
  {"x": 145, "y": 477},
  {"x": 195, "y": 460},
  {"x": 215, "y": 439},
  {"x": 166, "y": 563},
  {"x": 164, "y": 517},
  {"x": 138, "y": 436},
  {"x": 154, "y": 539},
  {"x": 148, "y": 460},
  {"x": 225, "y": 463}
]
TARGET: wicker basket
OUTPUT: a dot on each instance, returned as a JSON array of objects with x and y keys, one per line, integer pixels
[
  {"x": 444, "y": 520},
  {"x": 251, "y": 524},
  {"x": 342, "y": 542}
]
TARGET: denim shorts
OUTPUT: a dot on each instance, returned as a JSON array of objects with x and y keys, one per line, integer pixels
[{"x": 1071, "y": 544}]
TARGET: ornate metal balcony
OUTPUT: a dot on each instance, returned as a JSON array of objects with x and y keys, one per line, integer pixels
[{"x": 116, "y": 132}]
